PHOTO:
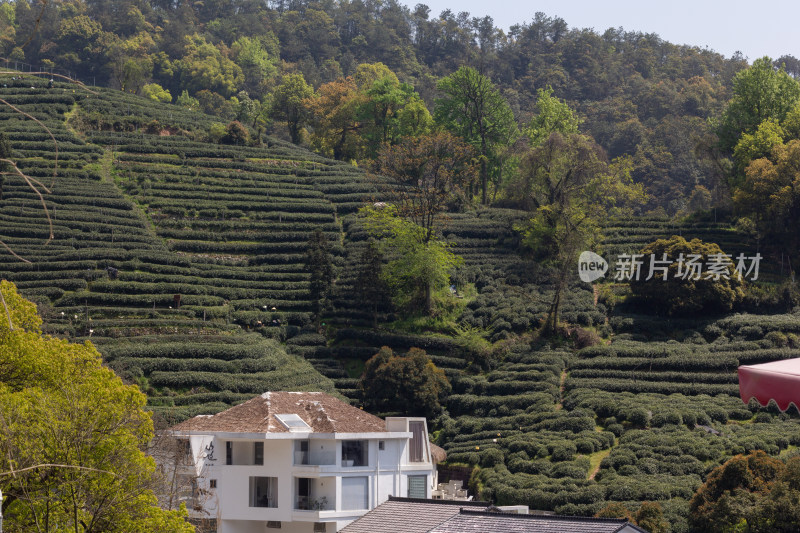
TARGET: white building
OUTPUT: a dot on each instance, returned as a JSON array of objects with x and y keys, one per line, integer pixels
[{"x": 300, "y": 462}]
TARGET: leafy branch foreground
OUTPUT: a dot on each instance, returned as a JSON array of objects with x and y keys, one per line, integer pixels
[{"x": 71, "y": 427}]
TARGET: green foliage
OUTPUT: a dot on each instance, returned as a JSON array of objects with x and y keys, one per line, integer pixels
[
  {"x": 319, "y": 264},
  {"x": 687, "y": 292},
  {"x": 203, "y": 67},
  {"x": 552, "y": 115},
  {"x": 730, "y": 496},
  {"x": 370, "y": 287},
  {"x": 184, "y": 100},
  {"x": 257, "y": 57},
  {"x": 650, "y": 517},
  {"x": 760, "y": 93},
  {"x": 569, "y": 188},
  {"x": 155, "y": 92},
  {"x": 759, "y": 144},
  {"x": 289, "y": 102},
  {"x": 475, "y": 110},
  {"x": 410, "y": 384},
  {"x": 418, "y": 265},
  {"x": 71, "y": 427},
  {"x": 770, "y": 195}
]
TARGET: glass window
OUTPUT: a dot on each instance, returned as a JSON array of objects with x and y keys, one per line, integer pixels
[
  {"x": 263, "y": 491},
  {"x": 258, "y": 453},
  {"x": 355, "y": 452},
  {"x": 228, "y": 452},
  {"x": 416, "y": 450},
  {"x": 304, "y": 496},
  {"x": 354, "y": 493},
  {"x": 417, "y": 486},
  {"x": 301, "y": 452}
]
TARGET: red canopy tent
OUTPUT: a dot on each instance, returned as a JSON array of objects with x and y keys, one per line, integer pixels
[{"x": 779, "y": 381}]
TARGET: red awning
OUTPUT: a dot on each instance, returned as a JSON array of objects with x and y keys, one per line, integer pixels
[{"x": 779, "y": 381}]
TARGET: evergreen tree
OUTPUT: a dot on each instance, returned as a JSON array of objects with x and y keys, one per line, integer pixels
[
  {"x": 370, "y": 288},
  {"x": 319, "y": 264}
]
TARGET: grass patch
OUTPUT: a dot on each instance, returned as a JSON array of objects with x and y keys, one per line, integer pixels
[{"x": 594, "y": 461}]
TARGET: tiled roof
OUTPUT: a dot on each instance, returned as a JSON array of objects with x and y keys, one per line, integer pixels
[
  {"x": 408, "y": 515},
  {"x": 324, "y": 413},
  {"x": 472, "y": 521}
]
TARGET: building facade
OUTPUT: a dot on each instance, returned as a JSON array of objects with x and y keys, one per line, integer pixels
[{"x": 299, "y": 462}]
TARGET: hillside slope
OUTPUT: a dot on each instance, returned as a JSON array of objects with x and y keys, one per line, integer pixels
[{"x": 182, "y": 260}]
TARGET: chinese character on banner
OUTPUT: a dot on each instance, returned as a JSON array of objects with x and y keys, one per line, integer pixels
[
  {"x": 689, "y": 267},
  {"x": 718, "y": 266},
  {"x": 754, "y": 263},
  {"x": 628, "y": 267},
  {"x": 659, "y": 265}
]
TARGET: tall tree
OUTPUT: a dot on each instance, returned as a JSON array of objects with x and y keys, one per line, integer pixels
[
  {"x": 370, "y": 287},
  {"x": 474, "y": 109},
  {"x": 428, "y": 174},
  {"x": 290, "y": 103},
  {"x": 335, "y": 119},
  {"x": 770, "y": 194},
  {"x": 569, "y": 188},
  {"x": 257, "y": 57},
  {"x": 319, "y": 265},
  {"x": 731, "y": 493},
  {"x": 760, "y": 92},
  {"x": 552, "y": 115},
  {"x": 71, "y": 445},
  {"x": 410, "y": 384},
  {"x": 418, "y": 265}
]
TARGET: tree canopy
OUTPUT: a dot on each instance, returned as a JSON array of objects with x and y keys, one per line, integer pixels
[
  {"x": 473, "y": 108},
  {"x": 418, "y": 264},
  {"x": 409, "y": 384},
  {"x": 72, "y": 436},
  {"x": 568, "y": 186},
  {"x": 688, "y": 285}
]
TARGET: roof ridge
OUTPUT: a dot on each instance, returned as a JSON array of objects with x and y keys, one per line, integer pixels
[
  {"x": 439, "y": 502},
  {"x": 621, "y": 521}
]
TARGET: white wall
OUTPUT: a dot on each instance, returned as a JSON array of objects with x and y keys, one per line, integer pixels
[{"x": 230, "y": 501}]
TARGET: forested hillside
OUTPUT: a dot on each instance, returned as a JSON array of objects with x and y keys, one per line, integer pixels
[
  {"x": 259, "y": 61},
  {"x": 387, "y": 205}
]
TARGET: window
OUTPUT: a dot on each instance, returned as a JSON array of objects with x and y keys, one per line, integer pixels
[
  {"x": 301, "y": 452},
  {"x": 381, "y": 445},
  {"x": 184, "y": 451},
  {"x": 273, "y": 524},
  {"x": 263, "y": 491},
  {"x": 320, "y": 527},
  {"x": 303, "y": 500},
  {"x": 212, "y": 484},
  {"x": 417, "y": 486},
  {"x": 355, "y": 452},
  {"x": 354, "y": 493},
  {"x": 228, "y": 452},
  {"x": 258, "y": 453},
  {"x": 416, "y": 446}
]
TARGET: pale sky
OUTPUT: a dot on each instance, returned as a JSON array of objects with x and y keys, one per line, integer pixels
[{"x": 768, "y": 27}]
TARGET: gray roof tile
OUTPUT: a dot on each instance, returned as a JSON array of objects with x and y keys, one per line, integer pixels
[
  {"x": 407, "y": 515},
  {"x": 473, "y": 521}
]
